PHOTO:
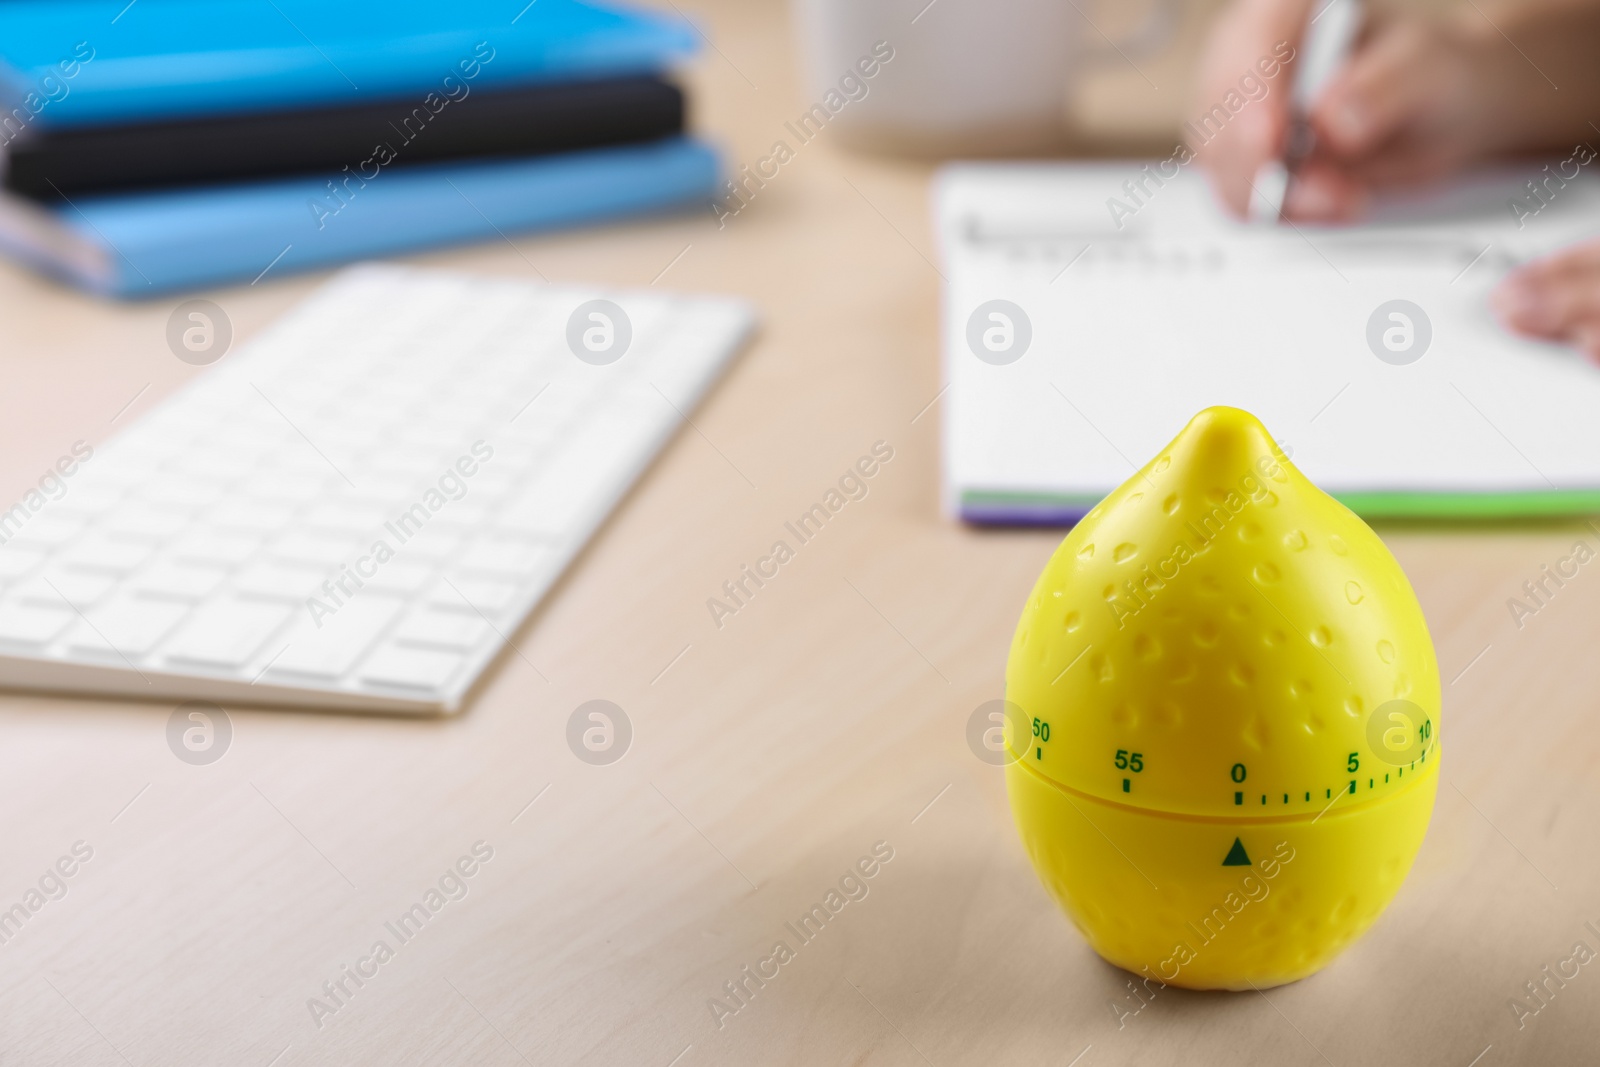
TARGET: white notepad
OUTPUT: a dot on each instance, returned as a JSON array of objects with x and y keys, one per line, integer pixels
[{"x": 1125, "y": 332}]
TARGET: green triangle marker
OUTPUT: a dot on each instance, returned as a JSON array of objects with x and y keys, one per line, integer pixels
[{"x": 1237, "y": 856}]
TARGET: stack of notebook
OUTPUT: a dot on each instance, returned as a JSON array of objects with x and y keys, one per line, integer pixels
[{"x": 160, "y": 144}]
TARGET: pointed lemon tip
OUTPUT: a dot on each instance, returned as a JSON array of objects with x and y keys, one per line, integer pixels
[{"x": 1221, "y": 439}]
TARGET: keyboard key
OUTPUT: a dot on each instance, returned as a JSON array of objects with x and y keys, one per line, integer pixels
[
  {"x": 341, "y": 434},
  {"x": 533, "y": 516},
  {"x": 436, "y": 439},
  {"x": 410, "y": 668},
  {"x": 221, "y": 466},
  {"x": 472, "y": 511},
  {"x": 347, "y": 516},
  {"x": 16, "y": 561},
  {"x": 510, "y": 557},
  {"x": 175, "y": 580},
  {"x": 218, "y": 547},
  {"x": 430, "y": 627},
  {"x": 138, "y": 519},
  {"x": 58, "y": 588},
  {"x": 407, "y": 578},
  {"x": 48, "y": 532},
  {"x": 307, "y": 484},
  {"x": 378, "y": 496},
  {"x": 491, "y": 486},
  {"x": 177, "y": 492},
  {"x": 98, "y": 552},
  {"x": 400, "y": 459},
  {"x": 475, "y": 595},
  {"x": 330, "y": 649},
  {"x": 433, "y": 541},
  {"x": 527, "y": 524},
  {"x": 86, "y": 499},
  {"x": 26, "y": 624},
  {"x": 325, "y": 551},
  {"x": 126, "y": 627},
  {"x": 280, "y": 581},
  {"x": 256, "y": 516},
  {"x": 227, "y": 633}
]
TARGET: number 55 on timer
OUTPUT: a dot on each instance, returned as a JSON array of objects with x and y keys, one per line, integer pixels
[{"x": 1226, "y": 752}]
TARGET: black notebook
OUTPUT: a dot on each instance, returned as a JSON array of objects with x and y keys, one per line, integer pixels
[{"x": 532, "y": 120}]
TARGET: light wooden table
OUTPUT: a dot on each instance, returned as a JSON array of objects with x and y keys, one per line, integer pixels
[{"x": 769, "y": 755}]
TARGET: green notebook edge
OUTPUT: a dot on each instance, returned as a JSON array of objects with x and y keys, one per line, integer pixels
[{"x": 1006, "y": 508}]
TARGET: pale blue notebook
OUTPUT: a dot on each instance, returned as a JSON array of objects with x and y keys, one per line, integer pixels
[{"x": 142, "y": 244}]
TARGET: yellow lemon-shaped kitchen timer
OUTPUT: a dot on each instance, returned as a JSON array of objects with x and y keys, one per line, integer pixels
[{"x": 1222, "y": 718}]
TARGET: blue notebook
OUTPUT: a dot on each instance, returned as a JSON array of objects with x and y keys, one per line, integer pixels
[
  {"x": 142, "y": 244},
  {"x": 89, "y": 62}
]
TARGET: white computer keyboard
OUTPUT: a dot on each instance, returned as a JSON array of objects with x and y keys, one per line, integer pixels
[{"x": 357, "y": 508}]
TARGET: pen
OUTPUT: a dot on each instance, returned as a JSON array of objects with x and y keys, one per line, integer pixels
[{"x": 1324, "y": 49}]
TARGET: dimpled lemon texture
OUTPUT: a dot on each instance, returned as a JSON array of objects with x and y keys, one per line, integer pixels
[{"x": 1196, "y": 776}]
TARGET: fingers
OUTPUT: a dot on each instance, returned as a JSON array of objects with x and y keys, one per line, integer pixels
[
  {"x": 1383, "y": 88},
  {"x": 1322, "y": 192},
  {"x": 1251, "y": 40},
  {"x": 1409, "y": 107},
  {"x": 1328, "y": 189},
  {"x": 1556, "y": 299},
  {"x": 1236, "y": 156},
  {"x": 1400, "y": 114}
]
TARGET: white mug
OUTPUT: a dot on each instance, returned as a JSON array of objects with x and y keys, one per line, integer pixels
[{"x": 953, "y": 75}]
